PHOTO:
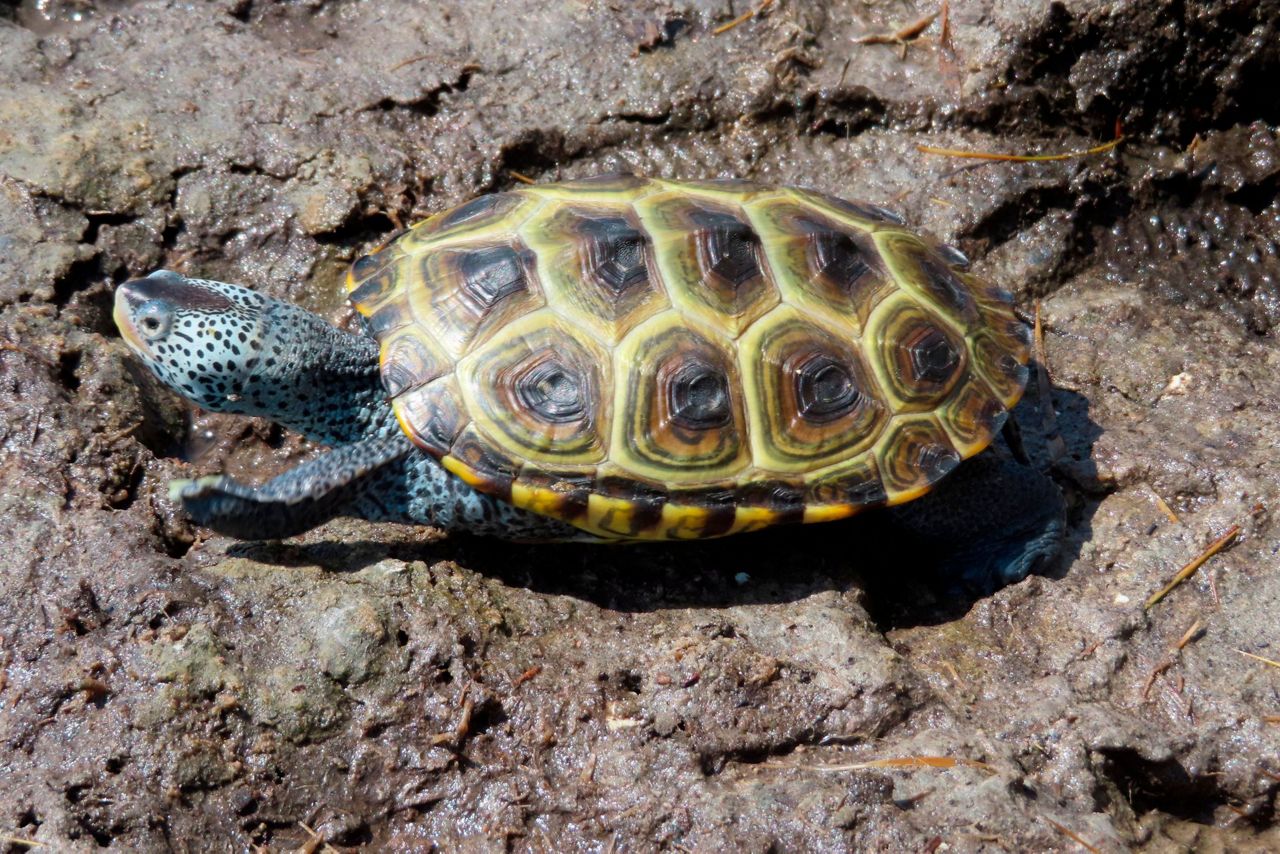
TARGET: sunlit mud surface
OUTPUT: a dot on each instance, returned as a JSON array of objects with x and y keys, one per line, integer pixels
[{"x": 378, "y": 686}]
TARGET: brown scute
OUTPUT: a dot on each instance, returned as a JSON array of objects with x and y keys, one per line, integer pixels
[
  {"x": 727, "y": 247},
  {"x": 614, "y": 253},
  {"x": 698, "y": 397},
  {"x": 493, "y": 273},
  {"x": 825, "y": 388},
  {"x": 837, "y": 258}
]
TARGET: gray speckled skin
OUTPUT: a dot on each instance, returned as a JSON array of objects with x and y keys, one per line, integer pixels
[{"x": 228, "y": 349}]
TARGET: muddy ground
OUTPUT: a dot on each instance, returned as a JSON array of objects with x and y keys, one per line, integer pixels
[{"x": 384, "y": 687}]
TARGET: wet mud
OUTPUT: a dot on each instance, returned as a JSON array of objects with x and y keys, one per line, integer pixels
[{"x": 394, "y": 689}]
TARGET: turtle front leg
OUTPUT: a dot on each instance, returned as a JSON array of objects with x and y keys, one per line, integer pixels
[
  {"x": 342, "y": 482},
  {"x": 383, "y": 478}
]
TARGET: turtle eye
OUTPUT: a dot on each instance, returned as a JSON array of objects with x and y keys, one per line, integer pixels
[{"x": 154, "y": 319}]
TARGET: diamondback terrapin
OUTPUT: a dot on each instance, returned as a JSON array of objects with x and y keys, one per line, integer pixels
[{"x": 619, "y": 359}]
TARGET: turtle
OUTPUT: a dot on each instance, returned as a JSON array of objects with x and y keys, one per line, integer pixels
[{"x": 622, "y": 359}]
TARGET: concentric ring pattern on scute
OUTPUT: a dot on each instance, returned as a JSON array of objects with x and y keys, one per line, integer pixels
[{"x": 657, "y": 360}]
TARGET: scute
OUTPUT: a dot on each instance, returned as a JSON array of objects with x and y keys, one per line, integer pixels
[{"x": 649, "y": 359}]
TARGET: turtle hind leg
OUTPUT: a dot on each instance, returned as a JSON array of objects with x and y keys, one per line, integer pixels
[
  {"x": 343, "y": 482},
  {"x": 992, "y": 522}
]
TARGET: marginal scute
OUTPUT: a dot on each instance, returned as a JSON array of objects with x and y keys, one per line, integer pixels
[
  {"x": 971, "y": 416},
  {"x": 369, "y": 293},
  {"x": 649, "y": 359},
  {"x": 469, "y": 216},
  {"x": 914, "y": 454},
  {"x": 432, "y": 415},
  {"x": 864, "y": 213},
  {"x": 852, "y": 483},
  {"x": 918, "y": 266},
  {"x": 411, "y": 359}
]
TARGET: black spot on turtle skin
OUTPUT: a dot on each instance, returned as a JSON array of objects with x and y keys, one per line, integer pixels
[
  {"x": 698, "y": 397},
  {"x": 616, "y": 251},
  {"x": 728, "y": 245},
  {"x": 825, "y": 389},
  {"x": 837, "y": 257},
  {"x": 933, "y": 359},
  {"x": 552, "y": 392},
  {"x": 490, "y": 275}
]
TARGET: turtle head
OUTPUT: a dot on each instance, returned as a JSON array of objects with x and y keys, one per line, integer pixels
[
  {"x": 205, "y": 340},
  {"x": 228, "y": 349}
]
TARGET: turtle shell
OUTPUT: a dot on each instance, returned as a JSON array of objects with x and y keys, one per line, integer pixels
[{"x": 648, "y": 359}]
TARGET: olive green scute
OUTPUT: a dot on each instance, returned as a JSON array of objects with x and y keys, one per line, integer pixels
[{"x": 647, "y": 358}]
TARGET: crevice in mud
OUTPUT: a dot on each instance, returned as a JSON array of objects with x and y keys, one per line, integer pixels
[
  {"x": 1016, "y": 214},
  {"x": 1144, "y": 786},
  {"x": 68, "y": 365},
  {"x": 100, "y": 218},
  {"x": 532, "y": 153},
  {"x": 427, "y": 104},
  {"x": 362, "y": 230}
]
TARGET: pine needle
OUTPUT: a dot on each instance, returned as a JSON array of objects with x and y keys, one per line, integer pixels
[
  {"x": 901, "y": 762},
  {"x": 1019, "y": 158},
  {"x": 1075, "y": 837},
  {"x": 1199, "y": 561},
  {"x": 1259, "y": 658}
]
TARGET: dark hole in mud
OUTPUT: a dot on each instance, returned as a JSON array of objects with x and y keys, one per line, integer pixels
[
  {"x": 1164, "y": 787},
  {"x": 363, "y": 230},
  {"x": 68, "y": 365},
  {"x": 487, "y": 715}
]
